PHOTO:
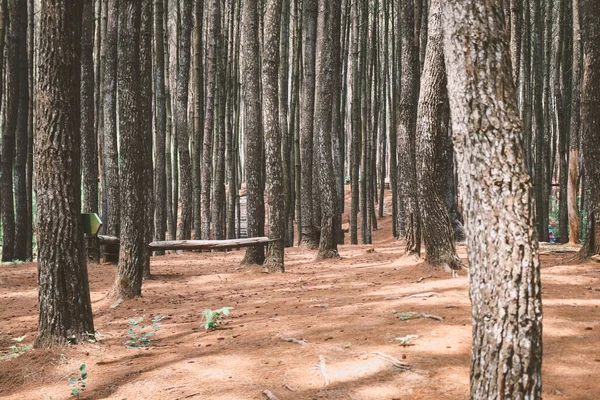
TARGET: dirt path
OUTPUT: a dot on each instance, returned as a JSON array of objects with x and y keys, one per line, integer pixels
[{"x": 345, "y": 310}]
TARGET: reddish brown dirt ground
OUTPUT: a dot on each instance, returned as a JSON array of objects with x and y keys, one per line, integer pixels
[{"x": 344, "y": 309}]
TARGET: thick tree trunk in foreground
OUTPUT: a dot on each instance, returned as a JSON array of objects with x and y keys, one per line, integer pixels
[
  {"x": 590, "y": 118},
  {"x": 133, "y": 249},
  {"x": 505, "y": 287},
  {"x": 574, "y": 228},
  {"x": 65, "y": 311},
  {"x": 254, "y": 144},
  {"x": 432, "y": 132},
  {"x": 274, "y": 183}
]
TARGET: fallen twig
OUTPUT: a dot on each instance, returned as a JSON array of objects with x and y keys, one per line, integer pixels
[
  {"x": 421, "y": 279},
  {"x": 392, "y": 360},
  {"x": 392, "y": 298},
  {"x": 292, "y": 340},
  {"x": 188, "y": 396},
  {"x": 269, "y": 395},
  {"x": 431, "y": 316},
  {"x": 322, "y": 368},
  {"x": 288, "y": 387},
  {"x": 423, "y": 295}
]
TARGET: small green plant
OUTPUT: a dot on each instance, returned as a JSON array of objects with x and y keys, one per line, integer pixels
[
  {"x": 139, "y": 335},
  {"x": 212, "y": 319},
  {"x": 79, "y": 381},
  {"x": 17, "y": 349},
  {"x": 405, "y": 315},
  {"x": 407, "y": 340}
]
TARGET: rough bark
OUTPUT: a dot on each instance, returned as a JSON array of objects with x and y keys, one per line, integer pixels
[
  {"x": 505, "y": 287},
  {"x": 328, "y": 9},
  {"x": 590, "y": 112},
  {"x": 198, "y": 89},
  {"x": 286, "y": 138},
  {"x": 110, "y": 155},
  {"x": 432, "y": 132},
  {"x": 10, "y": 128},
  {"x": 406, "y": 132},
  {"x": 307, "y": 104},
  {"x": 133, "y": 249},
  {"x": 270, "y": 96},
  {"x": 253, "y": 130},
  {"x": 181, "y": 119},
  {"x": 213, "y": 30},
  {"x": 3, "y": 23},
  {"x": 160, "y": 175},
  {"x": 219, "y": 201},
  {"x": 355, "y": 122},
  {"x": 89, "y": 140},
  {"x": 574, "y": 228},
  {"x": 22, "y": 215},
  {"x": 65, "y": 311}
]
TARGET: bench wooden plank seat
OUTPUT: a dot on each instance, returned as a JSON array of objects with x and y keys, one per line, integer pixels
[{"x": 210, "y": 244}]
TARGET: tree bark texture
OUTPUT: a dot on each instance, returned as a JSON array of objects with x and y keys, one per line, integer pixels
[
  {"x": 65, "y": 311},
  {"x": 160, "y": 175},
  {"x": 406, "y": 131},
  {"x": 253, "y": 130},
  {"x": 432, "y": 132},
  {"x": 110, "y": 154},
  {"x": 133, "y": 249},
  {"x": 307, "y": 104},
  {"x": 505, "y": 287},
  {"x": 274, "y": 176},
  {"x": 590, "y": 118}
]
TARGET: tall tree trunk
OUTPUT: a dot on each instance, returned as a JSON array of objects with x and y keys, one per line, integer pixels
[
  {"x": 3, "y": 25},
  {"x": 133, "y": 249},
  {"x": 286, "y": 138},
  {"x": 20, "y": 172},
  {"x": 110, "y": 155},
  {"x": 30, "y": 122},
  {"x": 253, "y": 130},
  {"x": 407, "y": 131},
  {"x": 590, "y": 112},
  {"x": 13, "y": 36},
  {"x": 181, "y": 121},
  {"x": 574, "y": 228},
  {"x": 307, "y": 104},
  {"x": 160, "y": 174},
  {"x": 355, "y": 121},
  {"x": 516, "y": 17},
  {"x": 89, "y": 141},
  {"x": 505, "y": 286},
  {"x": 432, "y": 132},
  {"x": 328, "y": 9},
  {"x": 65, "y": 311},
  {"x": 146, "y": 114},
  {"x": 213, "y": 30},
  {"x": 270, "y": 95},
  {"x": 198, "y": 89}
]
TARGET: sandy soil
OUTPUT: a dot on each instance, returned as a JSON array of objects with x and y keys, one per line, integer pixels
[{"x": 345, "y": 310}]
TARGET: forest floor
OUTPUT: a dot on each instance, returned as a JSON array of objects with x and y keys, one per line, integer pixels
[{"x": 344, "y": 312}]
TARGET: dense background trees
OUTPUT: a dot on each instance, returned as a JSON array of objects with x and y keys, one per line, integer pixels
[{"x": 215, "y": 119}]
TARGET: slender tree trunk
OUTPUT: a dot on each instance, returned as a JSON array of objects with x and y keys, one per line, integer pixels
[
  {"x": 574, "y": 228},
  {"x": 89, "y": 141},
  {"x": 270, "y": 95},
  {"x": 407, "y": 131},
  {"x": 212, "y": 57},
  {"x": 307, "y": 104},
  {"x": 3, "y": 25},
  {"x": 160, "y": 173},
  {"x": 198, "y": 86},
  {"x": 133, "y": 249},
  {"x": 323, "y": 116},
  {"x": 65, "y": 311},
  {"x": 110, "y": 155},
  {"x": 13, "y": 36},
  {"x": 286, "y": 138},
  {"x": 504, "y": 267},
  {"x": 590, "y": 112},
  {"x": 355, "y": 122},
  {"x": 432, "y": 132},
  {"x": 516, "y": 16},
  {"x": 253, "y": 130},
  {"x": 30, "y": 129},
  {"x": 219, "y": 201},
  {"x": 21, "y": 149}
]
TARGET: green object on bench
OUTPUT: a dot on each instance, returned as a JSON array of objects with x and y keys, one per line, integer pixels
[{"x": 91, "y": 223}]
